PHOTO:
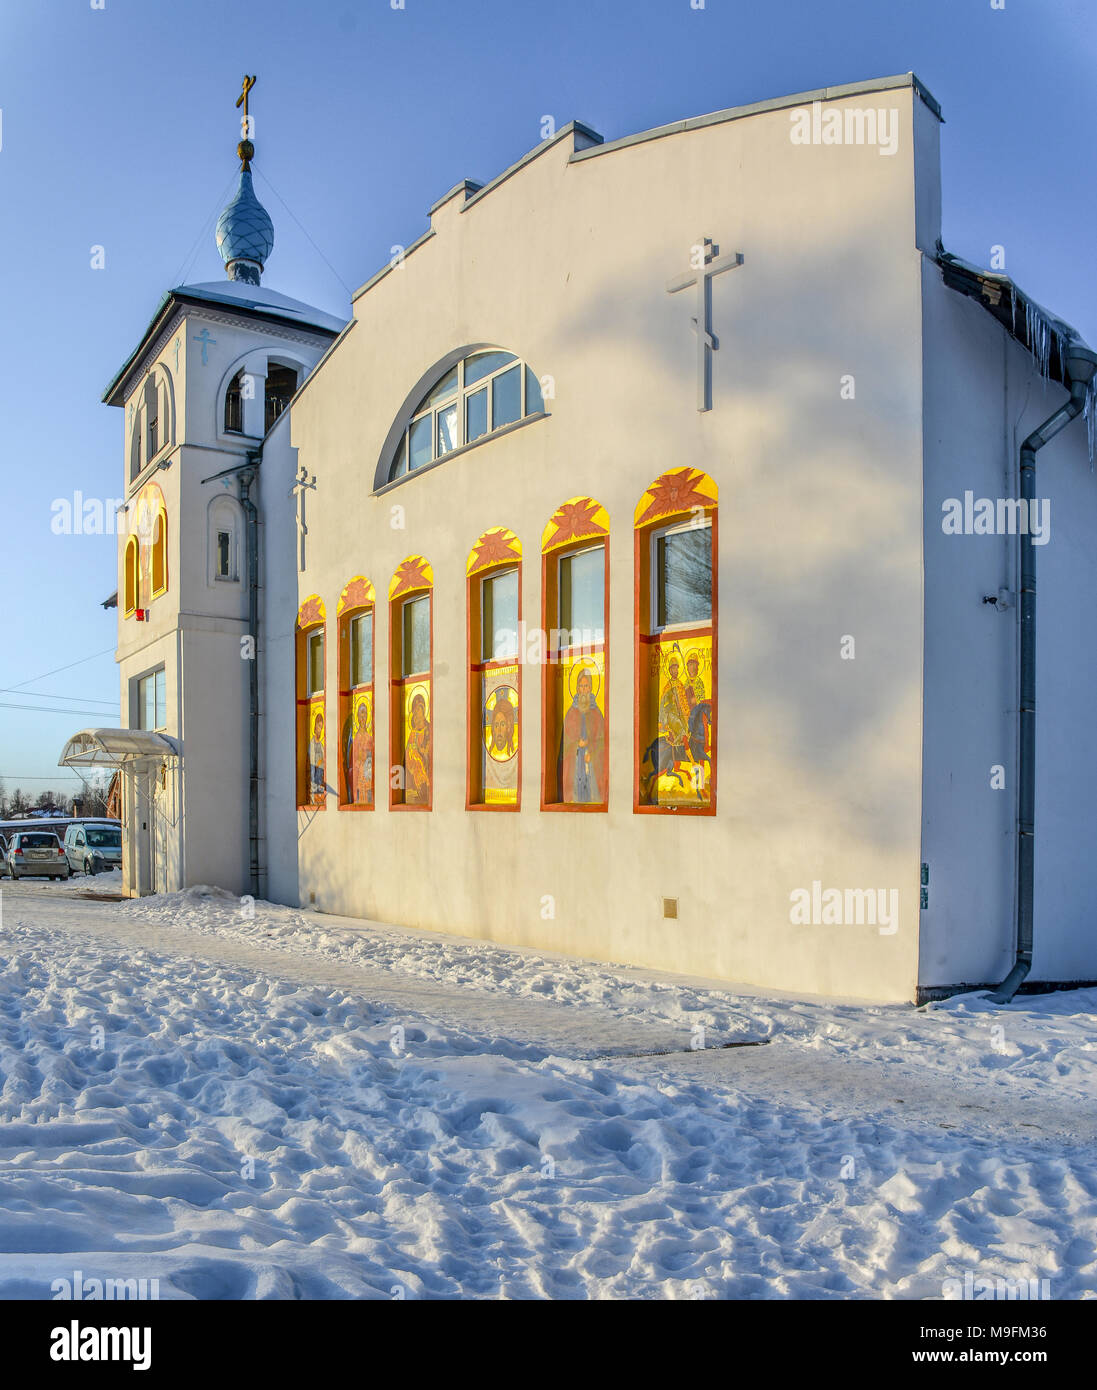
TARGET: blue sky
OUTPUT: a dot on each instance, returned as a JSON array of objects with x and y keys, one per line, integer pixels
[{"x": 118, "y": 130}]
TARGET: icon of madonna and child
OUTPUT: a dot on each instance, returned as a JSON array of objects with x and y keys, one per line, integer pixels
[{"x": 418, "y": 751}]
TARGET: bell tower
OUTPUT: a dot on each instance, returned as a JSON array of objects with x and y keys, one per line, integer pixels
[{"x": 206, "y": 397}]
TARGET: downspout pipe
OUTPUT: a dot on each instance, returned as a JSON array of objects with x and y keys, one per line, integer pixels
[
  {"x": 1081, "y": 363},
  {"x": 246, "y": 479}
]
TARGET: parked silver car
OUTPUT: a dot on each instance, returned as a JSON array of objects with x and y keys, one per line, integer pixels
[
  {"x": 35, "y": 853},
  {"x": 93, "y": 849}
]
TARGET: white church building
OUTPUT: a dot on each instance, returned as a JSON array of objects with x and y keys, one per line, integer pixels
[{"x": 646, "y": 570}]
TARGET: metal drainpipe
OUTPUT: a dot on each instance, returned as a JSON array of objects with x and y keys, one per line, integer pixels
[
  {"x": 1081, "y": 364},
  {"x": 246, "y": 478}
]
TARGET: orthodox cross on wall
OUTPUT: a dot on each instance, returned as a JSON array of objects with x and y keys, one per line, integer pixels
[
  {"x": 706, "y": 261},
  {"x": 303, "y": 485},
  {"x": 207, "y": 342}
]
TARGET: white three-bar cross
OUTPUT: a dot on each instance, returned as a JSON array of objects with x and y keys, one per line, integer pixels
[
  {"x": 299, "y": 489},
  {"x": 705, "y": 261}
]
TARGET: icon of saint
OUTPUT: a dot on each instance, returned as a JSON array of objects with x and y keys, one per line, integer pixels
[
  {"x": 583, "y": 758},
  {"x": 316, "y": 759}
]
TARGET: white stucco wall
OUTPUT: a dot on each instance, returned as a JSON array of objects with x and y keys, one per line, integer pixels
[
  {"x": 821, "y": 537},
  {"x": 983, "y": 397}
]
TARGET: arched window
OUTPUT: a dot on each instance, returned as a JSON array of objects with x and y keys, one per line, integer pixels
[
  {"x": 676, "y": 644},
  {"x": 480, "y": 394},
  {"x": 357, "y": 708},
  {"x": 137, "y": 429},
  {"x": 131, "y": 586},
  {"x": 148, "y": 520},
  {"x": 234, "y": 404},
  {"x": 279, "y": 391},
  {"x": 575, "y": 673},
  {"x": 160, "y": 553},
  {"x": 494, "y": 760},
  {"x": 223, "y": 540},
  {"x": 311, "y": 663},
  {"x": 153, "y": 434},
  {"x": 411, "y": 702},
  {"x": 151, "y": 419}
]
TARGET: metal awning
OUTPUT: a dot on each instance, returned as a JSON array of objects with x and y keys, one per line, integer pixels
[{"x": 117, "y": 748}]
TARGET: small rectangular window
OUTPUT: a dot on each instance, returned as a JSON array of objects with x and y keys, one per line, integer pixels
[
  {"x": 315, "y": 662},
  {"x": 476, "y": 415},
  {"x": 234, "y": 410},
  {"x": 682, "y": 565},
  {"x": 361, "y": 649},
  {"x": 582, "y": 596},
  {"x": 483, "y": 363},
  {"x": 535, "y": 401},
  {"x": 224, "y": 555},
  {"x": 447, "y": 430},
  {"x": 499, "y": 621},
  {"x": 154, "y": 429},
  {"x": 506, "y": 398},
  {"x": 419, "y": 442},
  {"x": 416, "y": 637},
  {"x": 152, "y": 712}
]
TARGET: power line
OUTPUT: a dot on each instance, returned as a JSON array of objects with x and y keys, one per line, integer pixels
[
  {"x": 36, "y": 695},
  {"x": 41, "y": 709},
  {"x": 185, "y": 267},
  {"x": 304, "y": 229},
  {"x": 21, "y": 777},
  {"x": 35, "y": 679}
]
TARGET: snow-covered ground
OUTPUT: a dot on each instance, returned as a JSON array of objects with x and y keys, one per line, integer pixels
[{"x": 251, "y": 1101}]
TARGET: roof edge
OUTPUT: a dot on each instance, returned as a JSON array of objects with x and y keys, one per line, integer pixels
[
  {"x": 178, "y": 298},
  {"x": 758, "y": 108},
  {"x": 1041, "y": 333}
]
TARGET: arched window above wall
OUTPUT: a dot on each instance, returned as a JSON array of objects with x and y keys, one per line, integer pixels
[
  {"x": 131, "y": 567},
  {"x": 234, "y": 405},
  {"x": 494, "y": 572},
  {"x": 311, "y": 664},
  {"x": 152, "y": 419},
  {"x": 357, "y": 709},
  {"x": 257, "y": 391},
  {"x": 224, "y": 549},
  {"x": 160, "y": 554},
  {"x": 575, "y": 673},
  {"x": 283, "y": 380},
  {"x": 677, "y": 638},
  {"x": 470, "y": 400}
]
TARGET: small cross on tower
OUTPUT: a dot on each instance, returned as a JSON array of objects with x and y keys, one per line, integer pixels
[
  {"x": 706, "y": 261},
  {"x": 303, "y": 484}
]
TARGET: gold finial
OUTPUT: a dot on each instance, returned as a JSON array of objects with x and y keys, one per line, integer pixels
[{"x": 245, "y": 149}]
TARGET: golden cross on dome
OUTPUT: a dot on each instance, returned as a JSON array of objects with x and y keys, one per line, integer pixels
[{"x": 242, "y": 99}]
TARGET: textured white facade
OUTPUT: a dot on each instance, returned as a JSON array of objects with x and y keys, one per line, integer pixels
[{"x": 867, "y": 693}]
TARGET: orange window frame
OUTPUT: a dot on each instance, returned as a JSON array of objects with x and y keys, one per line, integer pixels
[
  {"x": 397, "y": 682},
  {"x": 552, "y": 711},
  {"x": 646, "y": 637},
  {"x": 476, "y": 667},
  {"x": 305, "y": 701},
  {"x": 348, "y": 694}
]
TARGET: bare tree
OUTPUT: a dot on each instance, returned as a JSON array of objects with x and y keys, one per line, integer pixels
[{"x": 92, "y": 797}]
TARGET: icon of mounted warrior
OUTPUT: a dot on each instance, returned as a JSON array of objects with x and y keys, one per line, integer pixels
[{"x": 684, "y": 720}]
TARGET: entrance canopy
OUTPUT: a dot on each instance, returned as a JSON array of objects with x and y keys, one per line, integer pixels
[{"x": 117, "y": 748}]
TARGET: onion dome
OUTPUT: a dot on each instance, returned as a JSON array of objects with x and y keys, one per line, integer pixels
[{"x": 245, "y": 233}]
